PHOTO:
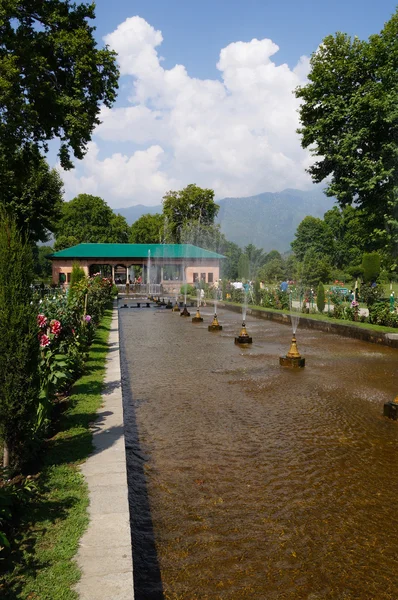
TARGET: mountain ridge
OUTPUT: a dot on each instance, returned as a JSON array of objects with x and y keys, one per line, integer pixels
[{"x": 268, "y": 220}]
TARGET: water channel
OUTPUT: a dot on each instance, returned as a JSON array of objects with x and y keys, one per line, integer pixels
[{"x": 248, "y": 480}]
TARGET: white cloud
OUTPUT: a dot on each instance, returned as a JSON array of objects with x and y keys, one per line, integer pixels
[{"x": 236, "y": 135}]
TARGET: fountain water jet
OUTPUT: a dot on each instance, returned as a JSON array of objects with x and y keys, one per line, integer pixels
[
  {"x": 215, "y": 325},
  {"x": 197, "y": 318},
  {"x": 185, "y": 312},
  {"x": 149, "y": 273},
  {"x": 243, "y": 337},
  {"x": 293, "y": 358},
  {"x": 176, "y": 308}
]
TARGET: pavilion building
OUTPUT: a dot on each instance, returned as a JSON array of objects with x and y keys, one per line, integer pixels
[{"x": 166, "y": 265}]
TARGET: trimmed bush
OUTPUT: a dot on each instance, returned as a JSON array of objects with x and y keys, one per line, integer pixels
[
  {"x": 371, "y": 266},
  {"x": 320, "y": 297}
]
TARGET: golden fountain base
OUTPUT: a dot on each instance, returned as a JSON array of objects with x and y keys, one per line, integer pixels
[
  {"x": 288, "y": 361},
  {"x": 243, "y": 337},
  {"x": 197, "y": 318},
  {"x": 215, "y": 325},
  {"x": 293, "y": 357},
  {"x": 176, "y": 308},
  {"x": 391, "y": 409}
]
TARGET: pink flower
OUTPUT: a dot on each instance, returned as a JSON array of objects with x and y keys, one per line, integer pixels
[
  {"x": 87, "y": 318},
  {"x": 41, "y": 321},
  {"x": 44, "y": 340},
  {"x": 55, "y": 327}
]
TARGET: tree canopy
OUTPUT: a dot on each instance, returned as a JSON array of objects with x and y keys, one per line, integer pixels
[
  {"x": 349, "y": 121},
  {"x": 148, "y": 229},
  {"x": 184, "y": 207},
  {"x": 54, "y": 79},
  {"x": 53, "y": 82},
  {"x": 312, "y": 233},
  {"x": 30, "y": 191},
  {"x": 88, "y": 218}
]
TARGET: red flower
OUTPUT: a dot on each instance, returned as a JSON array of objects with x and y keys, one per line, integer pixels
[
  {"x": 55, "y": 327},
  {"x": 41, "y": 321},
  {"x": 44, "y": 340}
]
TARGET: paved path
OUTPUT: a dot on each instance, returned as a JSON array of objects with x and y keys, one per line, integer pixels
[{"x": 104, "y": 555}]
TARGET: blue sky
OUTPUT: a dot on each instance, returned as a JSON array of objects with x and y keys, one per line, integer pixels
[
  {"x": 194, "y": 32},
  {"x": 228, "y": 124}
]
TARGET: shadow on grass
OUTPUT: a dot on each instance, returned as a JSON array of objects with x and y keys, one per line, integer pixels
[
  {"x": 147, "y": 576},
  {"x": 23, "y": 559}
]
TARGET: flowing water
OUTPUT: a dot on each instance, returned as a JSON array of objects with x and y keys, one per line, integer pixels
[{"x": 248, "y": 480}]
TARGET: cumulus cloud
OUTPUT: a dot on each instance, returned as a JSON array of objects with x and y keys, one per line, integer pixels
[{"x": 236, "y": 134}]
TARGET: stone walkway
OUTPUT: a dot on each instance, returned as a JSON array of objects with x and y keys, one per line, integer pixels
[{"x": 104, "y": 555}]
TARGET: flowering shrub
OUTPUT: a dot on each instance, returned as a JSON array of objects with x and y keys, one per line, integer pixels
[{"x": 65, "y": 331}]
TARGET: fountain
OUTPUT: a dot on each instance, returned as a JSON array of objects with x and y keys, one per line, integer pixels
[
  {"x": 197, "y": 318},
  {"x": 293, "y": 357},
  {"x": 215, "y": 325},
  {"x": 149, "y": 273},
  {"x": 243, "y": 337},
  {"x": 391, "y": 409},
  {"x": 176, "y": 308},
  {"x": 185, "y": 312},
  {"x": 169, "y": 305}
]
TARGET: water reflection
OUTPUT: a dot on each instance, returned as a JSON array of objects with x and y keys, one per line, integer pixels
[{"x": 260, "y": 482}]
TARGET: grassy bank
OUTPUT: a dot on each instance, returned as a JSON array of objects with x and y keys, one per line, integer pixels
[
  {"x": 40, "y": 566},
  {"x": 317, "y": 317}
]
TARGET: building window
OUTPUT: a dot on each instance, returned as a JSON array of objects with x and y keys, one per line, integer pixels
[
  {"x": 195, "y": 277},
  {"x": 203, "y": 277},
  {"x": 68, "y": 276},
  {"x": 210, "y": 278},
  {"x": 62, "y": 277}
]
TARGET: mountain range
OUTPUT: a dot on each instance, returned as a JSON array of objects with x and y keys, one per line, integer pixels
[{"x": 268, "y": 220}]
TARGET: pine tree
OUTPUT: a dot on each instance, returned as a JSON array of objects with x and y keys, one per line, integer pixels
[
  {"x": 19, "y": 347},
  {"x": 320, "y": 297}
]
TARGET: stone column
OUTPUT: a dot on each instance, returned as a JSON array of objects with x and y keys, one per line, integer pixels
[{"x": 113, "y": 273}]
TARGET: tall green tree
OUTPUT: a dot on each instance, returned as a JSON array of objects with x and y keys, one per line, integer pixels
[
  {"x": 148, "y": 229},
  {"x": 229, "y": 267},
  {"x": 19, "y": 346},
  {"x": 349, "y": 119},
  {"x": 256, "y": 258},
  {"x": 243, "y": 267},
  {"x": 54, "y": 78},
  {"x": 312, "y": 234},
  {"x": 30, "y": 191},
  {"x": 314, "y": 268},
  {"x": 87, "y": 219},
  {"x": 41, "y": 264},
  {"x": 190, "y": 205},
  {"x": 273, "y": 270},
  {"x": 53, "y": 81}
]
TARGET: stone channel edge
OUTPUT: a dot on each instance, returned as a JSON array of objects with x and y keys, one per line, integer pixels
[{"x": 105, "y": 554}]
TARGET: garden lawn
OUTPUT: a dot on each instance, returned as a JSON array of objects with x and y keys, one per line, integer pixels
[
  {"x": 41, "y": 565},
  {"x": 319, "y": 317}
]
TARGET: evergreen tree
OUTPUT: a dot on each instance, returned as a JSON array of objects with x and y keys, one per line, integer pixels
[
  {"x": 19, "y": 346},
  {"x": 320, "y": 297}
]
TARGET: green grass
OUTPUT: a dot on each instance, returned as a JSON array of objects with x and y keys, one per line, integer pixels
[
  {"x": 319, "y": 317},
  {"x": 41, "y": 565}
]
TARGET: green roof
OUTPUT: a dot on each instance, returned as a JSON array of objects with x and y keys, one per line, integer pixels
[{"x": 127, "y": 251}]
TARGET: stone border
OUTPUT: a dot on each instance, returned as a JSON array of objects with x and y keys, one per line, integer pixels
[
  {"x": 105, "y": 554},
  {"x": 352, "y": 331}
]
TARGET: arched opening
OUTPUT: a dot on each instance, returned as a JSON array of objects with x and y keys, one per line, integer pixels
[
  {"x": 120, "y": 274},
  {"x": 104, "y": 270}
]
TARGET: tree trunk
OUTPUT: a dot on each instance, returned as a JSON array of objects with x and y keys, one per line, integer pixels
[{"x": 6, "y": 456}]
